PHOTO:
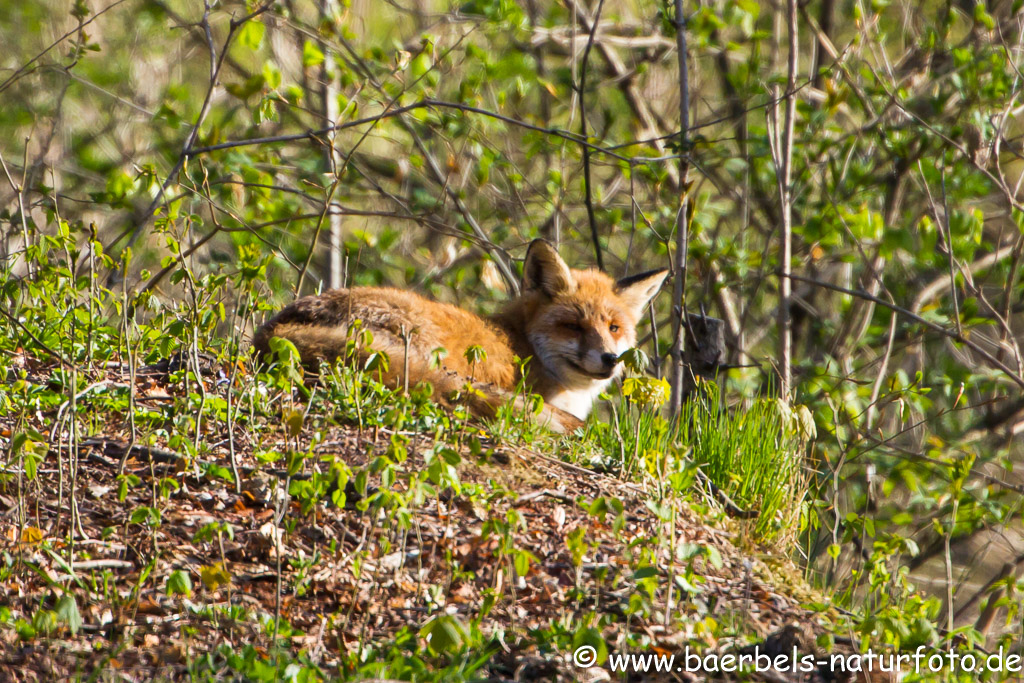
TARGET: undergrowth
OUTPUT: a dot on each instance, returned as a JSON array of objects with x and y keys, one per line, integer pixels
[
  {"x": 83, "y": 360},
  {"x": 753, "y": 452}
]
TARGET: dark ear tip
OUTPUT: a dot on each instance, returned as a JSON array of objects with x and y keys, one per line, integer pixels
[
  {"x": 640, "y": 277},
  {"x": 539, "y": 242}
]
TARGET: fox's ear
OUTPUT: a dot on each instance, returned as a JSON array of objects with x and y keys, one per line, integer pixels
[
  {"x": 545, "y": 271},
  {"x": 637, "y": 290}
]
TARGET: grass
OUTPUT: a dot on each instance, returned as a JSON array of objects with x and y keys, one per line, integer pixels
[
  {"x": 473, "y": 562},
  {"x": 752, "y": 452}
]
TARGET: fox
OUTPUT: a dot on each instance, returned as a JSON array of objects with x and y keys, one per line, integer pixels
[{"x": 572, "y": 325}]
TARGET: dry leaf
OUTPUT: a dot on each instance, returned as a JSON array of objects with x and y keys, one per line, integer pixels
[{"x": 32, "y": 535}]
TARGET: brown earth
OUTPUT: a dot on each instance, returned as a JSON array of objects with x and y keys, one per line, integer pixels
[{"x": 350, "y": 578}]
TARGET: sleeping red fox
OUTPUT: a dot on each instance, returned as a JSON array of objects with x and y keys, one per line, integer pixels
[{"x": 573, "y": 324}]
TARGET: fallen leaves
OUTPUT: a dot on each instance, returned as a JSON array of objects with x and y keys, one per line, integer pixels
[{"x": 537, "y": 543}]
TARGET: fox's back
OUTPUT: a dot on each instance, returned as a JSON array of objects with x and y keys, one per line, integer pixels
[
  {"x": 572, "y": 325},
  {"x": 319, "y": 326}
]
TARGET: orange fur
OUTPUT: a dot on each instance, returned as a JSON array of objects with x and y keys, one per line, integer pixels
[{"x": 573, "y": 325}]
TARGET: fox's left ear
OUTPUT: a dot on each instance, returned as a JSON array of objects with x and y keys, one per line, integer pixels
[
  {"x": 545, "y": 271},
  {"x": 637, "y": 290}
]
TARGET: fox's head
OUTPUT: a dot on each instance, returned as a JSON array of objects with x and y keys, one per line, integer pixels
[{"x": 582, "y": 320}]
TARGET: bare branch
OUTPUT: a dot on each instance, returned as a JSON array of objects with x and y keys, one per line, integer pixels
[
  {"x": 785, "y": 180},
  {"x": 955, "y": 336},
  {"x": 682, "y": 218},
  {"x": 581, "y": 92},
  {"x": 216, "y": 62},
  {"x": 24, "y": 67},
  {"x": 424, "y": 103}
]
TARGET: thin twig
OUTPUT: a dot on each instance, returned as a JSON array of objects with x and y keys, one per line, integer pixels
[
  {"x": 63, "y": 361},
  {"x": 581, "y": 91},
  {"x": 1017, "y": 379},
  {"x": 682, "y": 225},
  {"x": 785, "y": 180},
  {"x": 19, "y": 190},
  {"x": 944, "y": 222},
  {"x": 17, "y": 74},
  {"x": 398, "y": 111},
  {"x": 216, "y": 63}
]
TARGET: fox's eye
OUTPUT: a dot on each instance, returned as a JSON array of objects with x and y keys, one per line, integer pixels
[
  {"x": 573, "y": 327},
  {"x": 613, "y": 328}
]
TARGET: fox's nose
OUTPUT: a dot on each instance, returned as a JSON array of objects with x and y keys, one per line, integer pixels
[{"x": 609, "y": 359}]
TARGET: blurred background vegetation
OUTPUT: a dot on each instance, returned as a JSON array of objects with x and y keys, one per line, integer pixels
[{"x": 154, "y": 135}]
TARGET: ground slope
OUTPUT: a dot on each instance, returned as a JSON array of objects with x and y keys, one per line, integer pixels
[{"x": 513, "y": 561}]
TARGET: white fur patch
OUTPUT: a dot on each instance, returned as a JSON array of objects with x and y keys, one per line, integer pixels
[{"x": 579, "y": 401}]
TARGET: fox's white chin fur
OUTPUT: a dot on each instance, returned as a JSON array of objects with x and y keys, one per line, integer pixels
[
  {"x": 578, "y": 399},
  {"x": 580, "y": 388}
]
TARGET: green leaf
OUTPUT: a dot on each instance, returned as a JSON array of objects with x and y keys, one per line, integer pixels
[
  {"x": 67, "y": 611},
  {"x": 251, "y": 35},
  {"x": 213, "y": 576},
  {"x": 264, "y": 111},
  {"x": 475, "y": 354},
  {"x": 983, "y": 17},
  {"x": 522, "y": 561},
  {"x": 591, "y": 637},
  {"x": 31, "y": 446},
  {"x": 635, "y": 359},
  {"x": 685, "y": 585},
  {"x": 24, "y": 629},
  {"x": 444, "y": 633},
  {"x": 246, "y": 88},
  {"x": 420, "y": 65},
  {"x": 179, "y": 583},
  {"x": 272, "y": 75},
  {"x": 145, "y": 515},
  {"x": 80, "y": 9},
  {"x": 577, "y": 546},
  {"x": 311, "y": 54}
]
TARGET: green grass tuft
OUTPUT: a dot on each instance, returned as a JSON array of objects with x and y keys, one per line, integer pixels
[{"x": 751, "y": 452}]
